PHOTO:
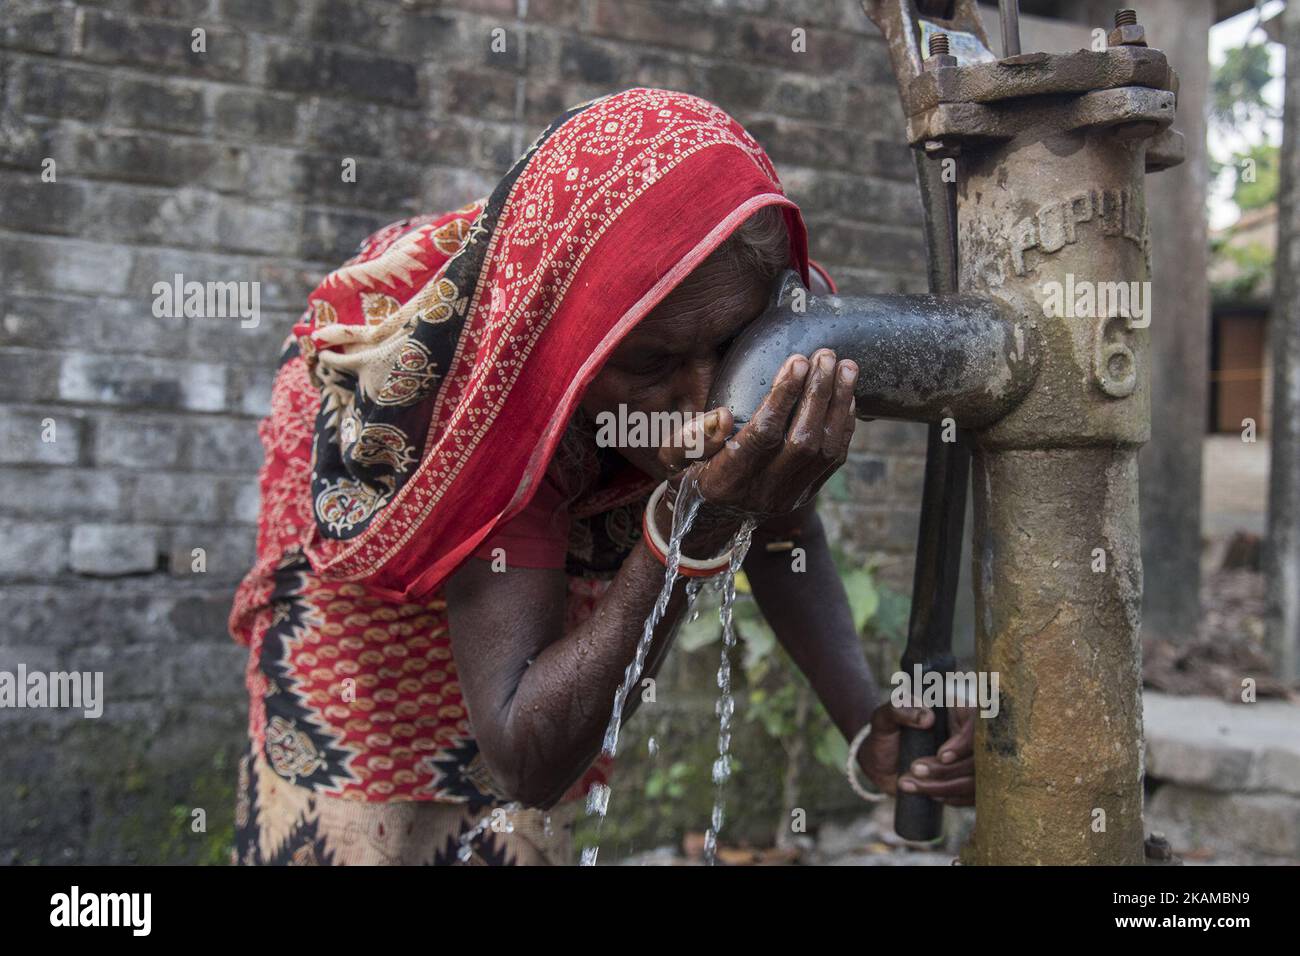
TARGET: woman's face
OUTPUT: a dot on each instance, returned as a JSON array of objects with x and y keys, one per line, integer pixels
[{"x": 667, "y": 363}]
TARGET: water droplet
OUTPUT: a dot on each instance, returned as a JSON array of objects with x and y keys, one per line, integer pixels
[
  {"x": 721, "y": 769},
  {"x": 597, "y": 800}
]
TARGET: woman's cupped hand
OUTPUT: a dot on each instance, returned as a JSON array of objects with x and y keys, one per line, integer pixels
[{"x": 795, "y": 441}]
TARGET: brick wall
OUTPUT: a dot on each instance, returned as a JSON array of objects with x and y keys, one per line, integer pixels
[{"x": 226, "y": 165}]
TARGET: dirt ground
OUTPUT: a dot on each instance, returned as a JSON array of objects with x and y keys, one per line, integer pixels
[
  {"x": 1231, "y": 643},
  {"x": 1230, "y": 646}
]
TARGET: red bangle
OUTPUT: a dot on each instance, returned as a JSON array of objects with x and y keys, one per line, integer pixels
[{"x": 686, "y": 567}]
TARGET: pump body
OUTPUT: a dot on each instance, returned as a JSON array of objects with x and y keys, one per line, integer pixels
[{"x": 1036, "y": 346}]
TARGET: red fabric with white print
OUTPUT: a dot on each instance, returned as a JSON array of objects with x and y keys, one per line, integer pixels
[{"x": 432, "y": 447}]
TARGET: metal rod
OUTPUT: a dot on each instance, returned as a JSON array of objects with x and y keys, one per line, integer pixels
[
  {"x": 939, "y": 223},
  {"x": 1009, "y": 15},
  {"x": 934, "y": 598},
  {"x": 939, "y": 536}
]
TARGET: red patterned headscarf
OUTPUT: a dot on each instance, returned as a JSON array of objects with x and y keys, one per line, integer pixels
[{"x": 452, "y": 351}]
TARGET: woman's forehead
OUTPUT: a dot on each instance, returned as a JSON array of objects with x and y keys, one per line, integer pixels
[{"x": 712, "y": 304}]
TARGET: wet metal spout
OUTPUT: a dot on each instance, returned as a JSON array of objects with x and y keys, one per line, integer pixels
[{"x": 921, "y": 357}]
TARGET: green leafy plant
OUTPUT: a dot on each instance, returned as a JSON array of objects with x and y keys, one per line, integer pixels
[
  {"x": 668, "y": 782},
  {"x": 777, "y": 696},
  {"x": 1259, "y": 189},
  {"x": 1254, "y": 265},
  {"x": 1240, "y": 112},
  {"x": 1237, "y": 86}
]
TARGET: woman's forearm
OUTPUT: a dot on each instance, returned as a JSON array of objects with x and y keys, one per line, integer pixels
[
  {"x": 561, "y": 707},
  {"x": 554, "y": 722},
  {"x": 810, "y": 614}
]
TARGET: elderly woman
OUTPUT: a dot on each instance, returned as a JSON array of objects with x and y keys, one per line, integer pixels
[{"x": 452, "y": 573}]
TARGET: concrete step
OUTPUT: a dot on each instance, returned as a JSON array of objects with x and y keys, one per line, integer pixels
[
  {"x": 1226, "y": 777},
  {"x": 1226, "y": 827},
  {"x": 1230, "y": 748}
]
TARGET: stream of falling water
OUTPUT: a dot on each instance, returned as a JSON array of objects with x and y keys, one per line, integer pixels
[
  {"x": 466, "y": 848},
  {"x": 726, "y": 703},
  {"x": 687, "y": 506}
]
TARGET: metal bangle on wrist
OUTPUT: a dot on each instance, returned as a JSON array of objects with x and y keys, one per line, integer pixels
[
  {"x": 659, "y": 547},
  {"x": 851, "y": 768}
]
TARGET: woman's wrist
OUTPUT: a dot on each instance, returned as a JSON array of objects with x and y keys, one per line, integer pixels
[{"x": 709, "y": 534}]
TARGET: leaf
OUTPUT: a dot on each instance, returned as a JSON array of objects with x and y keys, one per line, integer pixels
[
  {"x": 760, "y": 642},
  {"x": 1261, "y": 189},
  {"x": 831, "y": 748},
  {"x": 1237, "y": 86},
  {"x": 703, "y": 631},
  {"x": 778, "y": 710},
  {"x": 864, "y": 599},
  {"x": 654, "y": 786},
  {"x": 746, "y": 609},
  {"x": 891, "y": 617}
]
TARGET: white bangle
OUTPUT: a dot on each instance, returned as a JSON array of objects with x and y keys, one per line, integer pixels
[
  {"x": 708, "y": 565},
  {"x": 851, "y": 767}
]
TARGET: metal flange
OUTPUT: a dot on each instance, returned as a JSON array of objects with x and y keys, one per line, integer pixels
[
  {"x": 1134, "y": 112},
  {"x": 1040, "y": 74}
]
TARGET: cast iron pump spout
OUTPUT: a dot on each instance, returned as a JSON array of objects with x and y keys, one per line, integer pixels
[
  {"x": 921, "y": 358},
  {"x": 943, "y": 359}
]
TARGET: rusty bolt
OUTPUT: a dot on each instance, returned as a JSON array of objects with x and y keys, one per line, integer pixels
[
  {"x": 1127, "y": 36},
  {"x": 939, "y": 55},
  {"x": 1127, "y": 32}
]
